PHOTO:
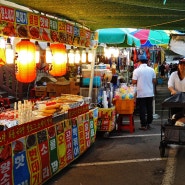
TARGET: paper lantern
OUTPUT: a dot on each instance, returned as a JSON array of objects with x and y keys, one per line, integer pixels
[
  {"x": 71, "y": 56},
  {"x": 9, "y": 52},
  {"x": 25, "y": 63},
  {"x": 77, "y": 56},
  {"x": 59, "y": 60},
  {"x": 84, "y": 55}
]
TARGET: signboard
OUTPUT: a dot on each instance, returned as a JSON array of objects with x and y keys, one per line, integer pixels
[{"x": 19, "y": 23}]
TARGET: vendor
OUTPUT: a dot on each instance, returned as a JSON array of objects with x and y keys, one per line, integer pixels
[{"x": 176, "y": 82}]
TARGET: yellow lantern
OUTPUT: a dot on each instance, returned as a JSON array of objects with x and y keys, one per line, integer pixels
[
  {"x": 2, "y": 52},
  {"x": 25, "y": 63},
  {"x": 59, "y": 60}
]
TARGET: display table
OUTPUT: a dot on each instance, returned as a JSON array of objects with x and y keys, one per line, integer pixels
[{"x": 31, "y": 153}]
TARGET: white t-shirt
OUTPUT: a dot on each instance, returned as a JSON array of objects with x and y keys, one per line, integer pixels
[
  {"x": 144, "y": 76},
  {"x": 176, "y": 83}
]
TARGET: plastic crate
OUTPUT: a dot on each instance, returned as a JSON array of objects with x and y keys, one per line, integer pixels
[{"x": 125, "y": 106}]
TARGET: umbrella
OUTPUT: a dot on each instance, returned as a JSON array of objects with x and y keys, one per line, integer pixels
[
  {"x": 150, "y": 38},
  {"x": 118, "y": 37}
]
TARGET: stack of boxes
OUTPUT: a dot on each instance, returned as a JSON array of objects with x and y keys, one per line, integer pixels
[{"x": 56, "y": 89}]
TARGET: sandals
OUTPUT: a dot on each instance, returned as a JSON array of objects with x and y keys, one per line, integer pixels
[{"x": 143, "y": 128}]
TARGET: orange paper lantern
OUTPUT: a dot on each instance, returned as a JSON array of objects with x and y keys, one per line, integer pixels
[
  {"x": 25, "y": 63},
  {"x": 59, "y": 59}
]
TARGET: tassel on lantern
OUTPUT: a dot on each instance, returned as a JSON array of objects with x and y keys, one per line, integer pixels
[
  {"x": 25, "y": 63},
  {"x": 59, "y": 59}
]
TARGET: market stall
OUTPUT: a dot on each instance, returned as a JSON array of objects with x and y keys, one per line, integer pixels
[
  {"x": 41, "y": 146},
  {"x": 51, "y": 126}
]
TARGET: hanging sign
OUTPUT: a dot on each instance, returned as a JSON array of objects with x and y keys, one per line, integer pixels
[{"x": 19, "y": 23}]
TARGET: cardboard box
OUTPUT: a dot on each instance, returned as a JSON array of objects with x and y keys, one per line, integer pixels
[
  {"x": 58, "y": 89},
  {"x": 62, "y": 89},
  {"x": 40, "y": 88},
  {"x": 40, "y": 93},
  {"x": 51, "y": 87},
  {"x": 52, "y": 94},
  {"x": 74, "y": 89}
]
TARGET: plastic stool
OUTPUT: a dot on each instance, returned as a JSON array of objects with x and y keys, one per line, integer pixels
[{"x": 129, "y": 126}]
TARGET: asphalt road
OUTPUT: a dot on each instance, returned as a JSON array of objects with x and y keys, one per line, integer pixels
[{"x": 128, "y": 158}]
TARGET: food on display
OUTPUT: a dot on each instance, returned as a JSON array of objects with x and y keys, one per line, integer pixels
[
  {"x": 31, "y": 141},
  {"x": 19, "y": 146},
  {"x": 45, "y": 35},
  {"x": 9, "y": 29},
  {"x": 22, "y": 31},
  {"x": 34, "y": 32}
]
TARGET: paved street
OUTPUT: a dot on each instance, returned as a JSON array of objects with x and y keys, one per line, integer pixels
[{"x": 128, "y": 158}]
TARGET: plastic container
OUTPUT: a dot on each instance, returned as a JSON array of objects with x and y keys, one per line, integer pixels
[
  {"x": 125, "y": 106},
  {"x": 96, "y": 81}
]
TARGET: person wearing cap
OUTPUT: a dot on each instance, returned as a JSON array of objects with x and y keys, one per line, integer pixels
[
  {"x": 144, "y": 77},
  {"x": 176, "y": 82}
]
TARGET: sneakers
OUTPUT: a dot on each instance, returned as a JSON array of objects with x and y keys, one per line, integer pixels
[{"x": 148, "y": 127}]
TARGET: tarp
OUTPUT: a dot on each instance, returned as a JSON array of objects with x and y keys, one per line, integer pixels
[
  {"x": 177, "y": 43},
  {"x": 177, "y": 100}
]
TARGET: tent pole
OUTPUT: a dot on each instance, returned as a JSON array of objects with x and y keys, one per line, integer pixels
[{"x": 92, "y": 73}]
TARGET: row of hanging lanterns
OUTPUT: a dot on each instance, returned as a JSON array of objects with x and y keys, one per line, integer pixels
[
  {"x": 75, "y": 56},
  {"x": 28, "y": 56}
]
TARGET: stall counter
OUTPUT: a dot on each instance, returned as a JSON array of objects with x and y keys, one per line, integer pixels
[{"x": 33, "y": 152}]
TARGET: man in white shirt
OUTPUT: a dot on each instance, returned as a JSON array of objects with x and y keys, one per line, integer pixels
[{"x": 144, "y": 77}]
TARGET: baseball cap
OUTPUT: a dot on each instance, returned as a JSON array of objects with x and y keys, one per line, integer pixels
[{"x": 142, "y": 58}]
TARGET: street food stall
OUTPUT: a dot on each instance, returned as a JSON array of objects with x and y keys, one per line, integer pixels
[
  {"x": 36, "y": 144},
  {"x": 40, "y": 136}
]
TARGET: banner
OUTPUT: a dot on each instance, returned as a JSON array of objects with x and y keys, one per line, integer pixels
[
  {"x": 33, "y": 159},
  {"x": 19, "y": 23},
  {"x": 21, "y": 174},
  {"x": 54, "y": 163},
  {"x": 46, "y": 148},
  {"x": 44, "y": 154}
]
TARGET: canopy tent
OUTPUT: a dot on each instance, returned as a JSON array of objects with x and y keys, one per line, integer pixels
[
  {"x": 149, "y": 38},
  {"x": 117, "y": 37}
]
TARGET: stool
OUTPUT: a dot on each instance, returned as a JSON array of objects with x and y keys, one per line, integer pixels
[{"x": 129, "y": 126}]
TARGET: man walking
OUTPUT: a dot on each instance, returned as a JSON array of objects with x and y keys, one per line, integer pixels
[{"x": 144, "y": 77}]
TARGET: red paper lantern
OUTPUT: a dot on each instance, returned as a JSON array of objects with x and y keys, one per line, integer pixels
[
  {"x": 59, "y": 59},
  {"x": 25, "y": 63}
]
